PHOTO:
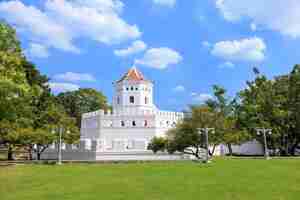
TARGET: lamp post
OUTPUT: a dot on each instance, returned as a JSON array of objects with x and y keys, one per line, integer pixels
[
  {"x": 59, "y": 146},
  {"x": 265, "y": 131},
  {"x": 59, "y": 152},
  {"x": 205, "y": 131}
]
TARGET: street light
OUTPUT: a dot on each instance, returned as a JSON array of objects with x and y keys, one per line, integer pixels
[
  {"x": 265, "y": 131},
  {"x": 59, "y": 152},
  {"x": 205, "y": 131}
]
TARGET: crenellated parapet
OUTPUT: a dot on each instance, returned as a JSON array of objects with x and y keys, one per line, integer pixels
[{"x": 132, "y": 112}]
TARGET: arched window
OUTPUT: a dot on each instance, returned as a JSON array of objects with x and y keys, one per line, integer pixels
[
  {"x": 118, "y": 100},
  {"x": 122, "y": 123},
  {"x": 145, "y": 123},
  {"x": 146, "y": 100},
  {"x": 131, "y": 99},
  {"x": 136, "y": 89},
  {"x": 133, "y": 123},
  {"x": 131, "y": 88}
]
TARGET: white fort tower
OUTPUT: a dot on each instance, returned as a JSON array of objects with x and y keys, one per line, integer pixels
[{"x": 134, "y": 120}]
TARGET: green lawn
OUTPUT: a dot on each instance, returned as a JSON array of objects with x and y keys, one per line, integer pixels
[{"x": 224, "y": 179}]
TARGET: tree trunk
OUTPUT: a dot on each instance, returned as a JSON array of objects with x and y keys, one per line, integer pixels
[
  {"x": 293, "y": 149},
  {"x": 30, "y": 153},
  {"x": 38, "y": 155},
  {"x": 229, "y": 149},
  {"x": 211, "y": 153},
  {"x": 10, "y": 154}
]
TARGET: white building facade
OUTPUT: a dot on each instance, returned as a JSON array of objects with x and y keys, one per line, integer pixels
[{"x": 134, "y": 121}]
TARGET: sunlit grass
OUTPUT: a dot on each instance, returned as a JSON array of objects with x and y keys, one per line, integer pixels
[{"x": 223, "y": 179}]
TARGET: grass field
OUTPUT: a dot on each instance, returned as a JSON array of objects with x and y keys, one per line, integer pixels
[{"x": 233, "y": 179}]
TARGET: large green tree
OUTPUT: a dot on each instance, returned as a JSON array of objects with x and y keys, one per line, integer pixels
[
  {"x": 15, "y": 91},
  {"x": 273, "y": 104},
  {"x": 228, "y": 130},
  {"x": 185, "y": 137},
  {"x": 82, "y": 101}
]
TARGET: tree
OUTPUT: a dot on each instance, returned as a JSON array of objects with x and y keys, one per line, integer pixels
[
  {"x": 53, "y": 118},
  {"x": 273, "y": 104},
  {"x": 185, "y": 137},
  {"x": 14, "y": 90},
  {"x": 9, "y": 42},
  {"x": 82, "y": 101},
  {"x": 228, "y": 131},
  {"x": 12, "y": 135},
  {"x": 157, "y": 144},
  {"x": 28, "y": 124},
  {"x": 293, "y": 136}
]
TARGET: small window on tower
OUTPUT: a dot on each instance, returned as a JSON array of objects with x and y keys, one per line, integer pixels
[
  {"x": 131, "y": 88},
  {"x": 146, "y": 100},
  {"x": 133, "y": 123},
  {"x": 145, "y": 123},
  {"x": 131, "y": 99},
  {"x": 136, "y": 89},
  {"x": 127, "y": 89},
  {"x": 122, "y": 123},
  {"x": 118, "y": 100}
]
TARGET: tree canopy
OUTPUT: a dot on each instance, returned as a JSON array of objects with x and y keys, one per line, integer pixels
[{"x": 82, "y": 101}]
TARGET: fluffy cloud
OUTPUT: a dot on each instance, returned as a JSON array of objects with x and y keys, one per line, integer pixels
[
  {"x": 37, "y": 51},
  {"x": 37, "y": 25},
  {"x": 75, "y": 77},
  {"x": 102, "y": 25},
  {"x": 60, "y": 22},
  {"x": 179, "y": 88},
  {"x": 229, "y": 65},
  {"x": 160, "y": 58},
  {"x": 62, "y": 87},
  {"x": 136, "y": 47},
  {"x": 168, "y": 3},
  {"x": 251, "y": 49},
  {"x": 202, "y": 97},
  {"x": 280, "y": 15}
]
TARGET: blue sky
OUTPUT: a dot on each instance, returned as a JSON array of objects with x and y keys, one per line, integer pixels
[{"x": 185, "y": 47}]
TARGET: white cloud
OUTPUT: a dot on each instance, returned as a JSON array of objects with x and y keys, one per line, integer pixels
[
  {"x": 136, "y": 47},
  {"x": 160, "y": 58},
  {"x": 229, "y": 65},
  {"x": 102, "y": 25},
  {"x": 103, "y": 5},
  {"x": 37, "y": 25},
  {"x": 167, "y": 3},
  {"x": 63, "y": 87},
  {"x": 179, "y": 88},
  {"x": 280, "y": 15},
  {"x": 37, "y": 51},
  {"x": 202, "y": 97},
  {"x": 60, "y": 22},
  {"x": 75, "y": 77},
  {"x": 250, "y": 49}
]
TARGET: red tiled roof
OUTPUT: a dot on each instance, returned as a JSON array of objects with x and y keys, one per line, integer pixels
[{"x": 133, "y": 74}]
